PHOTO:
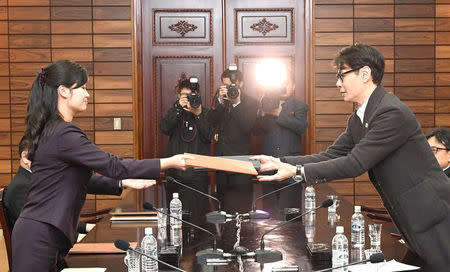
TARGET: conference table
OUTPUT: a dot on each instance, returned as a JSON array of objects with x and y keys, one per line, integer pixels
[{"x": 289, "y": 239}]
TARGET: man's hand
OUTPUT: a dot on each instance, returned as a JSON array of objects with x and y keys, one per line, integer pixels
[
  {"x": 138, "y": 183},
  {"x": 177, "y": 161},
  {"x": 184, "y": 102},
  {"x": 196, "y": 111},
  {"x": 223, "y": 91},
  {"x": 269, "y": 163}
]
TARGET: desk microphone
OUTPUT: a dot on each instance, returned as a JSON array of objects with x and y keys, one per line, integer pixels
[
  {"x": 374, "y": 258},
  {"x": 270, "y": 256},
  {"x": 203, "y": 255},
  {"x": 124, "y": 245},
  {"x": 212, "y": 217},
  {"x": 259, "y": 214}
]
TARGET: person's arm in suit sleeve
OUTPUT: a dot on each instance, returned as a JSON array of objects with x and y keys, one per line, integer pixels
[
  {"x": 216, "y": 113},
  {"x": 341, "y": 147},
  {"x": 73, "y": 146},
  {"x": 169, "y": 121},
  {"x": 205, "y": 127},
  {"x": 387, "y": 132},
  {"x": 245, "y": 115},
  {"x": 294, "y": 117},
  {"x": 101, "y": 185}
]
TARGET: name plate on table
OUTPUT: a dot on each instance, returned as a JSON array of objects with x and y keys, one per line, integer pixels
[{"x": 133, "y": 217}]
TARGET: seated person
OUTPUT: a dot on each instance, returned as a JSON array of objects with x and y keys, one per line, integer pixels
[{"x": 439, "y": 140}]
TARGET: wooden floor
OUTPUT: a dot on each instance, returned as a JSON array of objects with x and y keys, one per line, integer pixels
[{"x": 3, "y": 256}]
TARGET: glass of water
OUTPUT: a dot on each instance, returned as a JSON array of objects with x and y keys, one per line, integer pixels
[
  {"x": 162, "y": 217},
  {"x": 332, "y": 208},
  {"x": 375, "y": 236}
]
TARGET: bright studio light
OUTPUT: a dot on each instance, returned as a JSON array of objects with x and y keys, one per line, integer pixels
[{"x": 270, "y": 73}]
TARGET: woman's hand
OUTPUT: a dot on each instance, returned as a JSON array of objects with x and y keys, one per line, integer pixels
[
  {"x": 177, "y": 161},
  {"x": 138, "y": 183}
]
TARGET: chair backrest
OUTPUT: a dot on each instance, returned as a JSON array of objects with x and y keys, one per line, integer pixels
[{"x": 6, "y": 230}]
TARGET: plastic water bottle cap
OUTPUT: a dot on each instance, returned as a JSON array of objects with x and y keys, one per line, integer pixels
[
  {"x": 339, "y": 229},
  {"x": 175, "y": 195},
  {"x": 148, "y": 231},
  {"x": 357, "y": 208}
]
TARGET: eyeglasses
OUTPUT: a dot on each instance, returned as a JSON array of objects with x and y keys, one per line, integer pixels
[
  {"x": 340, "y": 75},
  {"x": 435, "y": 149}
]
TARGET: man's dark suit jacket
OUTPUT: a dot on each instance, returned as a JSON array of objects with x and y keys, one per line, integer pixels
[
  {"x": 15, "y": 194},
  {"x": 402, "y": 167},
  {"x": 282, "y": 134},
  {"x": 63, "y": 168},
  {"x": 447, "y": 172},
  {"x": 235, "y": 126}
]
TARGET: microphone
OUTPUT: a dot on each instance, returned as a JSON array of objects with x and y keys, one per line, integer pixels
[
  {"x": 259, "y": 214},
  {"x": 270, "y": 256},
  {"x": 212, "y": 217},
  {"x": 124, "y": 245},
  {"x": 374, "y": 258},
  {"x": 203, "y": 255}
]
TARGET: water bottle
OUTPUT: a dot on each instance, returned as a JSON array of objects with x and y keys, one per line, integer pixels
[
  {"x": 175, "y": 211},
  {"x": 357, "y": 228},
  {"x": 339, "y": 249},
  {"x": 310, "y": 198},
  {"x": 149, "y": 246},
  {"x": 310, "y": 226}
]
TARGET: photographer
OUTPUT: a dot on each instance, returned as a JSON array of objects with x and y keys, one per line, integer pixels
[
  {"x": 189, "y": 130},
  {"x": 281, "y": 119},
  {"x": 234, "y": 115}
]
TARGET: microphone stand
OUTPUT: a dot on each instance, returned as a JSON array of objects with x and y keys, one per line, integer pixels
[
  {"x": 259, "y": 214},
  {"x": 202, "y": 256},
  {"x": 269, "y": 256},
  {"x": 214, "y": 217}
]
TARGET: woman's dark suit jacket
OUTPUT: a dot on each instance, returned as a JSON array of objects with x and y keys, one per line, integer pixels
[
  {"x": 391, "y": 146},
  {"x": 62, "y": 169}
]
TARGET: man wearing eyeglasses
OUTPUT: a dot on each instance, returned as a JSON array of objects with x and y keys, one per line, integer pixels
[
  {"x": 439, "y": 140},
  {"x": 384, "y": 138}
]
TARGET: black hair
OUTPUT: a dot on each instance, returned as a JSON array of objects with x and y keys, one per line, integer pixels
[
  {"x": 24, "y": 144},
  {"x": 360, "y": 55},
  {"x": 228, "y": 74},
  {"x": 42, "y": 111},
  {"x": 186, "y": 84},
  {"x": 442, "y": 134}
]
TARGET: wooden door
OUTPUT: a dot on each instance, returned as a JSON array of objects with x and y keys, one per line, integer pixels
[{"x": 201, "y": 38}]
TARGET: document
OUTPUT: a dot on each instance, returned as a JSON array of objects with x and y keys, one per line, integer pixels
[
  {"x": 85, "y": 269},
  {"x": 223, "y": 164},
  {"x": 391, "y": 265}
]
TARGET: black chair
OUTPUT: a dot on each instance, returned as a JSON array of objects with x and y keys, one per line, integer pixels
[{"x": 6, "y": 230}]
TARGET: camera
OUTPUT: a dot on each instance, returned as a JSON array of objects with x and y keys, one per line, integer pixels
[
  {"x": 194, "y": 97},
  {"x": 271, "y": 100},
  {"x": 233, "y": 88}
]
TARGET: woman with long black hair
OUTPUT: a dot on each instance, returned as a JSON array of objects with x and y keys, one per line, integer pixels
[{"x": 63, "y": 164}]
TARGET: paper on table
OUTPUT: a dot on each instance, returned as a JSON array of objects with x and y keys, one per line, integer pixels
[
  {"x": 85, "y": 269},
  {"x": 229, "y": 165},
  {"x": 389, "y": 266}
]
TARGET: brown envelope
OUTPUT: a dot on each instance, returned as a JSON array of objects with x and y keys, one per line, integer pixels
[{"x": 229, "y": 165}]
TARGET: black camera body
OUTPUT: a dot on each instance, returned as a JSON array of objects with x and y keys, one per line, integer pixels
[
  {"x": 195, "y": 100},
  {"x": 233, "y": 88},
  {"x": 271, "y": 99},
  {"x": 269, "y": 103}
]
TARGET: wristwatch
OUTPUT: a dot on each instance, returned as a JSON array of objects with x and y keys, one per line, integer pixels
[{"x": 298, "y": 174}]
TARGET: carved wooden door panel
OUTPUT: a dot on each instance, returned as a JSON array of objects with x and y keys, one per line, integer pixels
[{"x": 201, "y": 38}]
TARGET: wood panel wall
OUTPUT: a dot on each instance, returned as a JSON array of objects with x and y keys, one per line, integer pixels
[
  {"x": 95, "y": 33},
  {"x": 414, "y": 37}
]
